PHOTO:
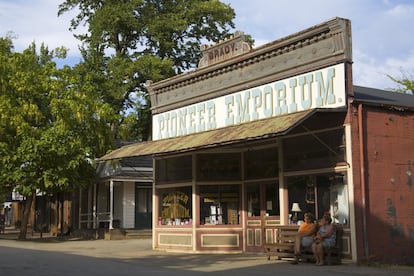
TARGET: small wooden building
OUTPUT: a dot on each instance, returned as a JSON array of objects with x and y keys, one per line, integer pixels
[{"x": 121, "y": 199}]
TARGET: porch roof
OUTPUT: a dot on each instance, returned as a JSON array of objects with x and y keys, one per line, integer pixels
[{"x": 251, "y": 131}]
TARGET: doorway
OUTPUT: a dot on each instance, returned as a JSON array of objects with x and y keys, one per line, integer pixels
[
  {"x": 263, "y": 213},
  {"x": 143, "y": 206}
]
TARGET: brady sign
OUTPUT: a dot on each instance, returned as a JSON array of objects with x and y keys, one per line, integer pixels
[{"x": 323, "y": 88}]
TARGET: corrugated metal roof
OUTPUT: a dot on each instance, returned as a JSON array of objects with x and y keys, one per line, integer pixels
[{"x": 255, "y": 130}]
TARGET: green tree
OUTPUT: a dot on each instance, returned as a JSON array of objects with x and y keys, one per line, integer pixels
[
  {"x": 405, "y": 83},
  {"x": 131, "y": 41},
  {"x": 52, "y": 126}
]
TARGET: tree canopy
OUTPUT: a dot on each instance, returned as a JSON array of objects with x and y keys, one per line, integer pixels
[
  {"x": 52, "y": 124},
  {"x": 131, "y": 41}
]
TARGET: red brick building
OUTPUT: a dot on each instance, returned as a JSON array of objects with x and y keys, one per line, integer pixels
[{"x": 383, "y": 150}]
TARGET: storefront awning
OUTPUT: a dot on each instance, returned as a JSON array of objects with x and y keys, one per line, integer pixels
[{"x": 260, "y": 129}]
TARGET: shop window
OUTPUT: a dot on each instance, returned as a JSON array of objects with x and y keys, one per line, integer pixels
[
  {"x": 314, "y": 151},
  {"x": 268, "y": 202},
  {"x": 261, "y": 163},
  {"x": 172, "y": 170},
  {"x": 253, "y": 200},
  {"x": 175, "y": 206},
  {"x": 319, "y": 194},
  {"x": 219, "y": 204},
  {"x": 222, "y": 166},
  {"x": 272, "y": 199}
]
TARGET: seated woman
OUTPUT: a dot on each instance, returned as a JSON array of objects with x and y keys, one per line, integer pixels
[
  {"x": 324, "y": 239},
  {"x": 305, "y": 235}
]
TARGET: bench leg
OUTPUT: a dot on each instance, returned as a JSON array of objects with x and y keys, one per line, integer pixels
[
  {"x": 333, "y": 257},
  {"x": 329, "y": 257}
]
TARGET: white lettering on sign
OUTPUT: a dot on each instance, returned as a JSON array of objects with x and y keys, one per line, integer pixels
[{"x": 324, "y": 88}]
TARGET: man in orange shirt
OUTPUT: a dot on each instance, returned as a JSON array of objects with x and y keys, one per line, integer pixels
[{"x": 306, "y": 233}]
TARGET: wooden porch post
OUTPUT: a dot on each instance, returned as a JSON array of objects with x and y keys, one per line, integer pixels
[
  {"x": 80, "y": 209},
  {"x": 95, "y": 218},
  {"x": 283, "y": 196},
  {"x": 111, "y": 204}
]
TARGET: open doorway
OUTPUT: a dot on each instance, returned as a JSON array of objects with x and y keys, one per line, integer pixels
[{"x": 143, "y": 206}]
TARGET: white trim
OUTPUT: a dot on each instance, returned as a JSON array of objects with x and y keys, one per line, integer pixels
[
  {"x": 111, "y": 204},
  {"x": 137, "y": 169},
  {"x": 350, "y": 182},
  {"x": 195, "y": 209},
  {"x": 126, "y": 178},
  {"x": 95, "y": 207},
  {"x": 317, "y": 171}
]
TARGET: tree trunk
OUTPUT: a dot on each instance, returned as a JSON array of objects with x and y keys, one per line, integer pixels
[{"x": 26, "y": 214}]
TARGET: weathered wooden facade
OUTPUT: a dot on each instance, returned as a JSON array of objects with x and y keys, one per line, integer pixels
[
  {"x": 49, "y": 213},
  {"x": 253, "y": 132}
]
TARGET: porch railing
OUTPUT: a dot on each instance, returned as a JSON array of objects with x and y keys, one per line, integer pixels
[{"x": 101, "y": 219}]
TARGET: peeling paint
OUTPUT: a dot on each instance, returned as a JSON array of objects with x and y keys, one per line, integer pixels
[
  {"x": 391, "y": 211},
  {"x": 396, "y": 230},
  {"x": 409, "y": 175}
]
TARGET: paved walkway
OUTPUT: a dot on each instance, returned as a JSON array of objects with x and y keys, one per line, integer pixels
[{"x": 52, "y": 256}]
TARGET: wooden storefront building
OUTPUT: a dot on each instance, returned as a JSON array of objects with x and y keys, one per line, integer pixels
[{"x": 250, "y": 132}]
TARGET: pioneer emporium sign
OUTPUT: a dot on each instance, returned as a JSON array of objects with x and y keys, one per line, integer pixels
[{"x": 323, "y": 88}]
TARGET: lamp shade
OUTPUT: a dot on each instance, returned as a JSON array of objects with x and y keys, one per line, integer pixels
[{"x": 295, "y": 207}]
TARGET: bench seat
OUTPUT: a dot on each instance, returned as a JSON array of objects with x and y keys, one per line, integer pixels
[{"x": 283, "y": 247}]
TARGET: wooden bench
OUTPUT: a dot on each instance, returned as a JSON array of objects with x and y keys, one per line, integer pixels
[{"x": 285, "y": 240}]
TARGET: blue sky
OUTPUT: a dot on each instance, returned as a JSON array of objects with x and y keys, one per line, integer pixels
[{"x": 382, "y": 34}]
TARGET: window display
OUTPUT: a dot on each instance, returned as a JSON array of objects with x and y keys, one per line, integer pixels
[
  {"x": 319, "y": 195},
  {"x": 253, "y": 201},
  {"x": 262, "y": 196},
  {"x": 219, "y": 204},
  {"x": 339, "y": 201},
  {"x": 175, "y": 206},
  {"x": 272, "y": 199}
]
